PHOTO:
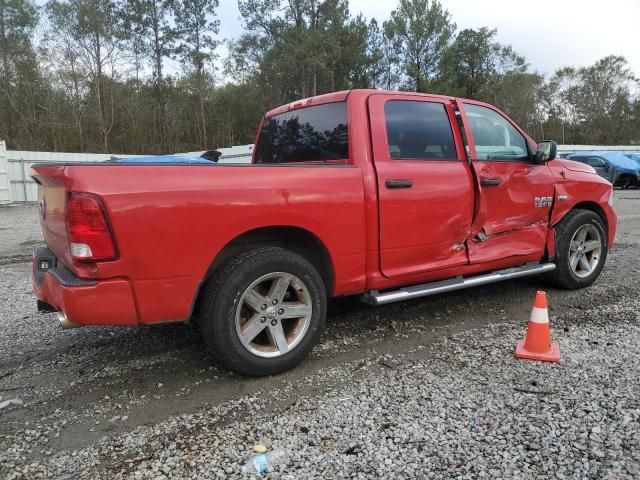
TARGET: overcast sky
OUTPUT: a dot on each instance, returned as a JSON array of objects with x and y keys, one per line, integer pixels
[{"x": 549, "y": 33}]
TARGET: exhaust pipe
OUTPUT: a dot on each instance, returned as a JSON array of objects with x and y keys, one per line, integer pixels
[{"x": 65, "y": 322}]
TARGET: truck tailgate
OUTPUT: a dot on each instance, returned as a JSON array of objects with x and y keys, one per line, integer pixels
[{"x": 52, "y": 198}]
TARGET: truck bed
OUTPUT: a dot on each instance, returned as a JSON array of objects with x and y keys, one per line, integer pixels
[{"x": 170, "y": 221}]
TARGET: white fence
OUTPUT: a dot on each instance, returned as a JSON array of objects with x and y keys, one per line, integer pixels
[
  {"x": 16, "y": 186},
  {"x": 5, "y": 192}
]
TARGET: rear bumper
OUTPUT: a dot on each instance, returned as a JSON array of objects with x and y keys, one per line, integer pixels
[{"x": 81, "y": 302}]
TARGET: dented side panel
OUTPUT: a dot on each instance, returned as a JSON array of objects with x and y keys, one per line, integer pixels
[
  {"x": 517, "y": 199},
  {"x": 513, "y": 199},
  {"x": 529, "y": 240},
  {"x": 575, "y": 188},
  {"x": 513, "y": 216}
]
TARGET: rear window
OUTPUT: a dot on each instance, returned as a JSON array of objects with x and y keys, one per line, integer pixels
[{"x": 311, "y": 134}]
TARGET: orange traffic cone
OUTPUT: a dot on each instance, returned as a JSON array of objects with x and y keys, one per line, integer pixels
[{"x": 537, "y": 344}]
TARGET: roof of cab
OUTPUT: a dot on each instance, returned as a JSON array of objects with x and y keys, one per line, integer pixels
[{"x": 341, "y": 96}]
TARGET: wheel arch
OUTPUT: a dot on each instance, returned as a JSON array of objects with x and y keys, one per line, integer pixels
[
  {"x": 564, "y": 231},
  {"x": 552, "y": 245},
  {"x": 592, "y": 206},
  {"x": 296, "y": 239}
]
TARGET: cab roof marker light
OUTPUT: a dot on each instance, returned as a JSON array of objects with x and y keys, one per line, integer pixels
[{"x": 300, "y": 104}]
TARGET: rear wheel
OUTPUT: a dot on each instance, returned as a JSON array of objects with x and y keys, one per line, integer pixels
[
  {"x": 581, "y": 242},
  {"x": 263, "y": 312}
]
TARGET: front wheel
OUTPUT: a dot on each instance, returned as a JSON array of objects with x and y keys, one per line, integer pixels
[
  {"x": 263, "y": 312},
  {"x": 581, "y": 249}
]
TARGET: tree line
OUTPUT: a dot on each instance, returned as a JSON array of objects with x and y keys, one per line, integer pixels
[{"x": 93, "y": 75}]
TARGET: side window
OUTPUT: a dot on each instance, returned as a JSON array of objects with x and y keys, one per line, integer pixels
[
  {"x": 494, "y": 136},
  {"x": 312, "y": 134},
  {"x": 418, "y": 131},
  {"x": 596, "y": 162}
]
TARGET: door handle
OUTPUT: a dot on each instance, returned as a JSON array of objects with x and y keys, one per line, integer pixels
[
  {"x": 404, "y": 183},
  {"x": 490, "y": 182}
]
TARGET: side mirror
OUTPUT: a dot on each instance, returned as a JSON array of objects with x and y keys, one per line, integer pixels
[
  {"x": 607, "y": 167},
  {"x": 547, "y": 151}
]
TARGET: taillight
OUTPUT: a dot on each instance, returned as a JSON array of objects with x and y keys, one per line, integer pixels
[{"x": 89, "y": 233}]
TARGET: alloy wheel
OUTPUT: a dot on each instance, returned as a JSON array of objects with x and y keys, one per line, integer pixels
[
  {"x": 584, "y": 250},
  {"x": 274, "y": 314}
]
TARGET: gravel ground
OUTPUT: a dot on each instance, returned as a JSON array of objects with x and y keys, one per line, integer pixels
[
  {"x": 19, "y": 232},
  {"x": 421, "y": 389}
]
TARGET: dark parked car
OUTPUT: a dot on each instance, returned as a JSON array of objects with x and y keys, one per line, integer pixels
[{"x": 619, "y": 169}]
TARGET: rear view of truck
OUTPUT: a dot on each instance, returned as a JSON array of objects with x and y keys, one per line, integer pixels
[{"x": 77, "y": 232}]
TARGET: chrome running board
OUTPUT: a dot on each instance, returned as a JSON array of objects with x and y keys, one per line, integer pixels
[{"x": 375, "y": 297}]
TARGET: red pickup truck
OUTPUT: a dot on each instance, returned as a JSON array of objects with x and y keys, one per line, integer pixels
[{"x": 387, "y": 195}]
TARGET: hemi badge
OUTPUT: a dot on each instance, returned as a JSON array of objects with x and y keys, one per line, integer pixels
[
  {"x": 541, "y": 202},
  {"x": 563, "y": 197}
]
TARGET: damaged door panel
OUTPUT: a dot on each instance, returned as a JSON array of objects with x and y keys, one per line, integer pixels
[
  {"x": 528, "y": 240},
  {"x": 514, "y": 194},
  {"x": 520, "y": 196}
]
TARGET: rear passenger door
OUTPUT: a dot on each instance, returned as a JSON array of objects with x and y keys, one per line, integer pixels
[{"x": 425, "y": 187}]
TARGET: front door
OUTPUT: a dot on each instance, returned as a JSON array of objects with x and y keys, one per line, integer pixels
[
  {"x": 425, "y": 187},
  {"x": 515, "y": 194}
]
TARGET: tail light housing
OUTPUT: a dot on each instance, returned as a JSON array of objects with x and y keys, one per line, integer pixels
[{"x": 88, "y": 229}]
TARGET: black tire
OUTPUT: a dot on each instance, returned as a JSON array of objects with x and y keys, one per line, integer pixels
[
  {"x": 564, "y": 276},
  {"x": 220, "y": 299},
  {"x": 626, "y": 181}
]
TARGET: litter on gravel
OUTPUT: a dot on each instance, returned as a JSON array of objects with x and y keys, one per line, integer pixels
[{"x": 12, "y": 401}]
